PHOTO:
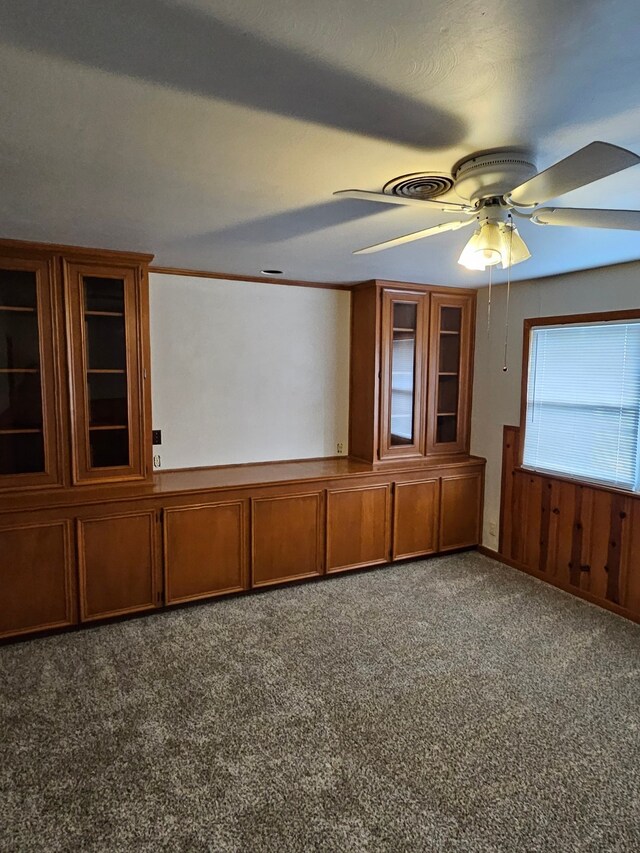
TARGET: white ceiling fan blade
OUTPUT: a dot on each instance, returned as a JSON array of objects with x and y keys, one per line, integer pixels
[
  {"x": 589, "y": 164},
  {"x": 386, "y": 198},
  {"x": 415, "y": 235},
  {"x": 625, "y": 220}
]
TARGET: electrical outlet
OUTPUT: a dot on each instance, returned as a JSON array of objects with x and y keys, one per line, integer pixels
[
  {"x": 156, "y": 436},
  {"x": 493, "y": 528},
  {"x": 157, "y": 461},
  {"x": 340, "y": 448}
]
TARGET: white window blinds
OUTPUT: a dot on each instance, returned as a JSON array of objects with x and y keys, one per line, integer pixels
[{"x": 583, "y": 402}]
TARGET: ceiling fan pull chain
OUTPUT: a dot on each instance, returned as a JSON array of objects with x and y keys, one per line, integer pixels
[
  {"x": 505, "y": 365},
  {"x": 489, "y": 303}
]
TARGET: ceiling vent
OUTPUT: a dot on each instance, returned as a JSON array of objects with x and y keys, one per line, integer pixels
[{"x": 420, "y": 185}]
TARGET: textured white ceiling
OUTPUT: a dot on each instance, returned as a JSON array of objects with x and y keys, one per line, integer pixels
[{"x": 213, "y": 132}]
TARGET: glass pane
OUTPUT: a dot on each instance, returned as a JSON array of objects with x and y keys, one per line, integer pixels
[
  {"x": 18, "y": 288},
  {"x": 450, "y": 319},
  {"x": 403, "y": 356},
  {"x": 447, "y": 395},
  {"x": 109, "y": 447},
  {"x": 447, "y": 429},
  {"x": 449, "y": 354},
  {"x": 20, "y": 401},
  {"x": 107, "y": 399},
  {"x": 103, "y": 294},
  {"x": 19, "y": 347},
  {"x": 21, "y": 453},
  {"x": 105, "y": 343}
]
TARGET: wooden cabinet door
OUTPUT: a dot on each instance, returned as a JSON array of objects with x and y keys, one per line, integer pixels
[
  {"x": 30, "y": 421},
  {"x": 108, "y": 316},
  {"x": 450, "y": 372},
  {"x": 37, "y": 590},
  {"x": 416, "y": 508},
  {"x": 286, "y": 538},
  {"x": 460, "y": 509},
  {"x": 403, "y": 373},
  {"x": 358, "y": 527},
  {"x": 118, "y": 564},
  {"x": 205, "y": 551}
]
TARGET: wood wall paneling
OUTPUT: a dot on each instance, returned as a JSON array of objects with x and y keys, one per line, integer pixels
[
  {"x": 358, "y": 527},
  {"x": 416, "y": 509},
  {"x": 630, "y": 574},
  {"x": 583, "y": 538},
  {"x": 205, "y": 550},
  {"x": 460, "y": 511},
  {"x": 286, "y": 538},
  {"x": 118, "y": 564},
  {"x": 37, "y": 571}
]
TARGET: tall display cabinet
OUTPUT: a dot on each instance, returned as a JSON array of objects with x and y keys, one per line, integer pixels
[{"x": 411, "y": 371}]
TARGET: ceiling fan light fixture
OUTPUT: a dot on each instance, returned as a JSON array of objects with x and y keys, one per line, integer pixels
[
  {"x": 515, "y": 247},
  {"x": 493, "y": 243},
  {"x": 484, "y": 249}
]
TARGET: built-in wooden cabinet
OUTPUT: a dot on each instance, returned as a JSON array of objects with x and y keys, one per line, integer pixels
[
  {"x": 37, "y": 575},
  {"x": 286, "y": 537},
  {"x": 118, "y": 563},
  {"x": 205, "y": 550},
  {"x": 106, "y": 311},
  {"x": 450, "y": 378},
  {"x": 358, "y": 529},
  {"x": 88, "y": 533},
  {"x": 411, "y": 371},
  {"x": 30, "y": 429},
  {"x": 74, "y": 366},
  {"x": 460, "y": 510},
  {"x": 416, "y": 516},
  {"x": 404, "y": 344}
]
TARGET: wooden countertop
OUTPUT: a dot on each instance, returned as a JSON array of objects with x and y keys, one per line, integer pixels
[{"x": 167, "y": 483}]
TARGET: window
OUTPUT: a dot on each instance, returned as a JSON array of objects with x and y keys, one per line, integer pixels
[{"x": 583, "y": 401}]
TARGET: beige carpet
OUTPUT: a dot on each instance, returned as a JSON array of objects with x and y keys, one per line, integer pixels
[{"x": 449, "y": 705}]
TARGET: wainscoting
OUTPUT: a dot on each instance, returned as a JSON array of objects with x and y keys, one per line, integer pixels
[{"x": 583, "y": 539}]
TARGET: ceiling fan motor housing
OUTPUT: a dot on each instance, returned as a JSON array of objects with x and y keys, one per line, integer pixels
[{"x": 490, "y": 175}]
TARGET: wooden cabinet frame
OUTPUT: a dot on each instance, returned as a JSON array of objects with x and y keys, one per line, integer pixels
[
  {"x": 155, "y": 556},
  {"x": 67, "y": 569},
  {"x": 390, "y": 298},
  {"x": 465, "y": 303},
  {"x": 137, "y": 372},
  {"x": 371, "y": 349},
  {"x": 330, "y": 533},
  {"x": 51, "y": 371},
  {"x": 242, "y": 555}
]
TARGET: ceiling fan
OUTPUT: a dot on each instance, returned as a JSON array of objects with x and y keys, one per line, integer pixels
[{"x": 495, "y": 184}]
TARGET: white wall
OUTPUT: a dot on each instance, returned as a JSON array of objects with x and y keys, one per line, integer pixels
[
  {"x": 496, "y": 395},
  {"x": 246, "y": 371}
]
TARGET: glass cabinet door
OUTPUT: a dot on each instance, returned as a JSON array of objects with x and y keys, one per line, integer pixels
[
  {"x": 28, "y": 425},
  {"x": 403, "y": 332},
  {"x": 107, "y": 376},
  {"x": 450, "y": 379}
]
